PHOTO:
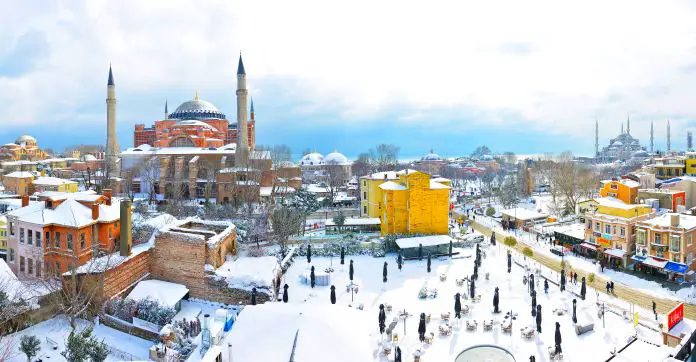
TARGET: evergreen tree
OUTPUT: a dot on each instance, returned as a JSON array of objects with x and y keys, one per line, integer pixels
[{"x": 30, "y": 346}]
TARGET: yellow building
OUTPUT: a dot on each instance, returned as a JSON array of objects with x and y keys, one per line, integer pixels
[
  {"x": 18, "y": 182},
  {"x": 413, "y": 204},
  {"x": 690, "y": 163},
  {"x": 611, "y": 227},
  {"x": 623, "y": 189},
  {"x": 371, "y": 194},
  {"x": 42, "y": 184},
  {"x": 3, "y": 238}
]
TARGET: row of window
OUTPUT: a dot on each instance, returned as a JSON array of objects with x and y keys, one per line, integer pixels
[
  {"x": 674, "y": 240},
  {"x": 610, "y": 229},
  {"x": 35, "y": 237},
  {"x": 30, "y": 266}
]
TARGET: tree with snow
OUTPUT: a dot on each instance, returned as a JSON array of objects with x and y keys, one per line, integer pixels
[
  {"x": 509, "y": 261},
  {"x": 309, "y": 253},
  {"x": 534, "y": 303},
  {"x": 472, "y": 288},
  {"x": 77, "y": 346},
  {"x": 343, "y": 254},
  {"x": 98, "y": 350},
  {"x": 339, "y": 220},
  {"x": 583, "y": 289},
  {"x": 421, "y": 328},
  {"x": 305, "y": 203},
  {"x": 563, "y": 279},
  {"x": 30, "y": 345},
  {"x": 575, "y": 317},
  {"x": 397, "y": 354},
  {"x": 557, "y": 339},
  {"x": 285, "y": 221}
]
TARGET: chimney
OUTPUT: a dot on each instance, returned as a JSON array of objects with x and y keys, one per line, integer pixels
[
  {"x": 126, "y": 238},
  {"x": 95, "y": 211},
  {"x": 107, "y": 194},
  {"x": 25, "y": 200},
  {"x": 674, "y": 220}
]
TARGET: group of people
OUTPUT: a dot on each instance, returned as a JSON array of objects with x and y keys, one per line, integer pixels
[{"x": 610, "y": 287}]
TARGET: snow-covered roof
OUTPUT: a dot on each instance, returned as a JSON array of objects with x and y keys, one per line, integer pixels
[
  {"x": 616, "y": 203},
  {"x": 336, "y": 158},
  {"x": 390, "y": 175},
  {"x": 687, "y": 222},
  {"x": 20, "y": 174},
  {"x": 430, "y": 240},
  {"x": 617, "y": 253},
  {"x": 316, "y": 333},
  {"x": 165, "y": 293},
  {"x": 519, "y": 213},
  {"x": 268, "y": 190},
  {"x": 70, "y": 213},
  {"x": 434, "y": 185},
  {"x": 407, "y": 171},
  {"x": 312, "y": 159},
  {"x": 52, "y": 181},
  {"x": 575, "y": 230},
  {"x": 356, "y": 221},
  {"x": 392, "y": 186},
  {"x": 441, "y": 179},
  {"x": 247, "y": 272},
  {"x": 316, "y": 189}
]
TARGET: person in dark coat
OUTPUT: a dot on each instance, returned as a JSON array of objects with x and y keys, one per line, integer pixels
[
  {"x": 546, "y": 286},
  {"x": 612, "y": 287},
  {"x": 343, "y": 254},
  {"x": 312, "y": 277},
  {"x": 285, "y": 293},
  {"x": 654, "y": 309},
  {"x": 531, "y": 283},
  {"x": 608, "y": 287},
  {"x": 384, "y": 272},
  {"x": 421, "y": 328},
  {"x": 428, "y": 263},
  {"x": 351, "y": 270},
  {"x": 575, "y": 278},
  {"x": 457, "y": 306},
  {"x": 563, "y": 279},
  {"x": 509, "y": 260},
  {"x": 534, "y": 303},
  {"x": 496, "y": 299},
  {"x": 333, "y": 295},
  {"x": 583, "y": 289},
  {"x": 575, "y": 316},
  {"x": 397, "y": 354},
  {"x": 381, "y": 319},
  {"x": 538, "y": 318},
  {"x": 472, "y": 289},
  {"x": 253, "y": 296},
  {"x": 400, "y": 261},
  {"x": 493, "y": 238},
  {"x": 557, "y": 338}
]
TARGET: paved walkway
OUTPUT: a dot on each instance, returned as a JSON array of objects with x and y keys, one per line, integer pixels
[{"x": 639, "y": 298}]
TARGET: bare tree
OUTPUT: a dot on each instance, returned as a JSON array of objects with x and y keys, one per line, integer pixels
[
  {"x": 335, "y": 178},
  {"x": 487, "y": 180},
  {"x": 386, "y": 157},
  {"x": 211, "y": 168},
  {"x": 285, "y": 221},
  {"x": 571, "y": 181},
  {"x": 363, "y": 165},
  {"x": 149, "y": 172},
  {"x": 280, "y": 153}
]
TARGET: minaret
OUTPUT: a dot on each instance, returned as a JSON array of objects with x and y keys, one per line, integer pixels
[
  {"x": 166, "y": 111},
  {"x": 251, "y": 111},
  {"x": 596, "y": 138},
  {"x": 652, "y": 138},
  {"x": 111, "y": 144},
  {"x": 628, "y": 124},
  {"x": 242, "y": 151},
  {"x": 622, "y": 131},
  {"x": 669, "y": 142}
]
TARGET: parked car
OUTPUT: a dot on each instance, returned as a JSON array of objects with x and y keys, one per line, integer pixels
[{"x": 559, "y": 250}]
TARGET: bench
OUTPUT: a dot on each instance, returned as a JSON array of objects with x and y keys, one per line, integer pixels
[{"x": 487, "y": 325}]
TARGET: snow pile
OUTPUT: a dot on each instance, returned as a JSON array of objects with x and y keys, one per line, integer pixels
[
  {"x": 317, "y": 333},
  {"x": 247, "y": 272}
]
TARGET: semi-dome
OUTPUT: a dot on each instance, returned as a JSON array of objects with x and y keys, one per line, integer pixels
[
  {"x": 89, "y": 157},
  {"x": 432, "y": 156},
  {"x": 197, "y": 109},
  {"x": 335, "y": 158},
  {"x": 312, "y": 159},
  {"x": 641, "y": 154},
  {"x": 189, "y": 122},
  {"x": 26, "y": 139}
]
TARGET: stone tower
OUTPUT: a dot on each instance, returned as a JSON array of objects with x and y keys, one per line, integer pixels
[
  {"x": 111, "y": 144},
  {"x": 242, "y": 153}
]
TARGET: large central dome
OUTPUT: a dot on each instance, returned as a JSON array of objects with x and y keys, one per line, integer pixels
[{"x": 197, "y": 109}]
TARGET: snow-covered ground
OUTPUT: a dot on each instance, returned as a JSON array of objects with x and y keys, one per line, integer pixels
[
  {"x": 122, "y": 346},
  {"x": 401, "y": 291}
]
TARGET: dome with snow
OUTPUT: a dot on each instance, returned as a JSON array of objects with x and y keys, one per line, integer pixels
[
  {"x": 312, "y": 159},
  {"x": 335, "y": 158},
  {"x": 89, "y": 157},
  {"x": 432, "y": 156},
  {"x": 641, "y": 154}
]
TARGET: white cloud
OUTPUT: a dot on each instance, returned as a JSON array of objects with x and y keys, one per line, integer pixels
[{"x": 547, "y": 64}]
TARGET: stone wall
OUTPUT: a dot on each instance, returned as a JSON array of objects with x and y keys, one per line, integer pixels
[
  {"x": 124, "y": 276},
  {"x": 180, "y": 258}
]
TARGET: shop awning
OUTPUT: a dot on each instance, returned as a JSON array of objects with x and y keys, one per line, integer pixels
[
  {"x": 615, "y": 252},
  {"x": 589, "y": 246},
  {"x": 654, "y": 263},
  {"x": 676, "y": 267},
  {"x": 638, "y": 258}
]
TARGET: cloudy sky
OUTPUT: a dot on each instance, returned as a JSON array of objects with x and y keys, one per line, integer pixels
[{"x": 522, "y": 76}]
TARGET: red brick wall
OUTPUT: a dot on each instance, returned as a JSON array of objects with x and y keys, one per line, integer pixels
[{"x": 125, "y": 275}]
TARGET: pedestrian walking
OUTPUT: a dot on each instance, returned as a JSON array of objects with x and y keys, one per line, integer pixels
[
  {"x": 421, "y": 328},
  {"x": 575, "y": 277},
  {"x": 612, "y": 287},
  {"x": 496, "y": 299},
  {"x": 608, "y": 287},
  {"x": 546, "y": 286},
  {"x": 538, "y": 318},
  {"x": 557, "y": 339},
  {"x": 654, "y": 309}
]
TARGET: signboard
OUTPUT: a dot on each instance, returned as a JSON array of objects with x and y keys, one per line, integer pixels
[
  {"x": 675, "y": 316},
  {"x": 607, "y": 236},
  {"x": 604, "y": 242}
]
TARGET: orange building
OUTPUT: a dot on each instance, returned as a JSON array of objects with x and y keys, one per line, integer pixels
[
  {"x": 623, "y": 189},
  {"x": 24, "y": 148},
  {"x": 64, "y": 231},
  {"x": 195, "y": 123}
]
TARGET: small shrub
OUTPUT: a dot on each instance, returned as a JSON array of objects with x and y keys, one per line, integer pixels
[
  {"x": 510, "y": 241},
  {"x": 490, "y": 211},
  {"x": 591, "y": 278},
  {"x": 527, "y": 251}
]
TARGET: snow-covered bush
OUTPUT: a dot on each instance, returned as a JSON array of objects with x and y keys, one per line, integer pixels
[
  {"x": 145, "y": 309},
  {"x": 123, "y": 309},
  {"x": 423, "y": 292}
]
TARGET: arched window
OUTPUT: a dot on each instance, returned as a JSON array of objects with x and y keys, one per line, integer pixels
[{"x": 182, "y": 141}]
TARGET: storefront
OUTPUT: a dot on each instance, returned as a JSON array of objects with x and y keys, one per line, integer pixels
[
  {"x": 587, "y": 249},
  {"x": 676, "y": 272},
  {"x": 649, "y": 265},
  {"x": 615, "y": 257}
]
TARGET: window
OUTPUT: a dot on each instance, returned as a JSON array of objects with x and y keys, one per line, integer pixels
[
  {"x": 675, "y": 243},
  {"x": 640, "y": 237},
  {"x": 614, "y": 186},
  {"x": 57, "y": 239},
  {"x": 30, "y": 265},
  {"x": 38, "y": 238},
  {"x": 623, "y": 231},
  {"x": 111, "y": 234},
  {"x": 598, "y": 227},
  {"x": 21, "y": 264},
  {"x": 614, "y": 230},
  {"x": 38, "y": 268},
  {"x": 607, "y": 229},
  {"x": 364, "y": 183},
  {"x": 30, "y": 237},
  {"x": 68, "y": 242},
  {"x": 11, "y": 228},
  {"x": 83, "y": 241},
  {"x": 12, "y": 255},
  {"x": 688, "y": 238},
  {"x": 657, "y": 239},
  {"x": 48, "y": 238},
  {"x": 612, "y": 194},
  {"x": 365, "y": 210},
  {"x": 364, "y": 195},
  {"x": 21, "y": 235}
]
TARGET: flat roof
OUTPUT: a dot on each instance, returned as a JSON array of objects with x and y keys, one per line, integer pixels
[
  {"x": 523, "y": 214},
  {"x": 430, "y": 240},
  {"x": 356, "y": 221},
  {"x": 165, "y": 293}
]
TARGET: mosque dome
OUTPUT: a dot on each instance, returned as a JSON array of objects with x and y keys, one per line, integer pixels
[
  {"x": 335, "y": 158},
  {"x": 26, "y": 139},
  {"x": 197, "y": 109},
  {"x": 312, "y": 159},
  {"x": 89, "y": 157},
  {"x": 432, "y": 156},
  {"x": 641, "y": 154}
]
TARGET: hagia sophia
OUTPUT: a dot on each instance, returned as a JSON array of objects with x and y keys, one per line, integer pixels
[{"x": 24, "y": 148}]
